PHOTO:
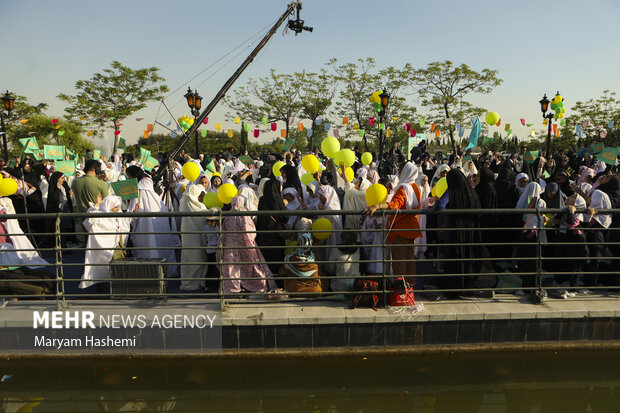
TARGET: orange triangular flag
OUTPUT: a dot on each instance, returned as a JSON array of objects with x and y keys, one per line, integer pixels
[
  {"x": 146, "y": 134},
  {"x": 149, "y": 127}
]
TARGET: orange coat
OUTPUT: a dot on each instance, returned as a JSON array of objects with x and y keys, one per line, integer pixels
[{"x": 396, "y": 222}]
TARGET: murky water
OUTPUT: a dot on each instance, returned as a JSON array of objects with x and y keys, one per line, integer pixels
[{"x": 565, "y": 381}]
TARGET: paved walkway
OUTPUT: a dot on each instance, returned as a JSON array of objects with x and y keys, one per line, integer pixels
[{"x": 252, "y": 313}]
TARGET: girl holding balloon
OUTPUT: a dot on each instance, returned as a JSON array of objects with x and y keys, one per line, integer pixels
[{"x": 403, "y": 229}]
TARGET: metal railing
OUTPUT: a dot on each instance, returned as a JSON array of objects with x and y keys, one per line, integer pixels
[{"x": 504, "y": 251}]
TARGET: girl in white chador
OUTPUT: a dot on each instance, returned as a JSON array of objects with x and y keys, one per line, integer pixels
[
  {"x": 193, "y": 251},
  {"x": 107, "y": 233},
  {"x": 152, "y": 232}
]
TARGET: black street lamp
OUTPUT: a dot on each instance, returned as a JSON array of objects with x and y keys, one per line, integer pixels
[
  {"x": 7, "y": 105},
  {"x": 194, "y": 101},
  {"x": 544, "y": 107},
  {"x": 385, "y": 100}
]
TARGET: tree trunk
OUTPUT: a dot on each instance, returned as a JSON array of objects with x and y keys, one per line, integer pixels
[
  {"x": 244, "y": 138},
  {"x": 445, "y": 107},
  {"x": 115, "y": 139},
  {"x": 311, "y": 139}
]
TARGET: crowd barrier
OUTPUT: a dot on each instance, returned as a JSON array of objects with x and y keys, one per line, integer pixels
[{"x": 508, "y": 261}]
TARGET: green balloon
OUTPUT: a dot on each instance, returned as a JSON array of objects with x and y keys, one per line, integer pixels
[
  {"x": 559, "y": 105},
  {"x": 554, "y": 106}
]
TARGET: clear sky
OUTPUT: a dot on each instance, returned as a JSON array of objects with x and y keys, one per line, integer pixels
[{"x": 538, "y": 46}]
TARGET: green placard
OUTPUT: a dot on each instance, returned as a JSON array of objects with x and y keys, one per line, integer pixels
[
  {"x": 144, "y": 155},
  {"x": 597, "y": 147},
  {"x": 55, "y": 152},
  {"x": 530, "y": 156},
  {"x": 97, "y": 154},
  {"x": 121, "y": 143},
  {"x": 150, "y": 163},
  {"x": 246, "y": 160},
  {"x": 608, "y": 156},
  {"x": 29, "y": 144},
  {"x": 66, "y": 167},
  {"x": 288, "y": 144},
  {"x": 546, "y": 174},
  {"x": 127, "y": 189},
  {"x": 37, "y": 154}
]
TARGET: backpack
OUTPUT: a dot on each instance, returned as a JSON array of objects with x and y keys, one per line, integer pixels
[{"x": 365, "y": 300}]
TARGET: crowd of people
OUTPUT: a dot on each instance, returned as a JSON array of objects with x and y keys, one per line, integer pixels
[{"x": 278, "y": 253}]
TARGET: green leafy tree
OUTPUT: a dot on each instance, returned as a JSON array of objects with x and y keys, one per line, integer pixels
[
  {"x": 359, "y": 80},
  {"x": 598, "y": 112},
  {"x": 316, "y": 93},
  {"x": 107, "y": 98},
  {"x": 274, "y": 96},
  {"x": 38, "y": 124},
  {"x": 443, "y": 88}
]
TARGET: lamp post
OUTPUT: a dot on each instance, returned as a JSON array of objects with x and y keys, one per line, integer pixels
[
  {"x": 385, "y": 100},
  {"x": 544, "y": 107},
  {"x": 7, "y": 105},
  {"x": 194, "y": 101}
]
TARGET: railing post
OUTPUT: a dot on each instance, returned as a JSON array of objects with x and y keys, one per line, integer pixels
[
  {"x": 383, "y": 248},
  {"x": 220, "y": 288},
  {"x": 60, "y": 282},
  {"x": 540, "y": 293}
]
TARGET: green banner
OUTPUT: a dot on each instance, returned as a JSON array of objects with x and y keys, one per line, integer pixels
[
  {"x": 530, "y": 156},
  {"x": 150, "y": 163},
  {"x": 66, "y": 167},
  {"x": 55, "y": 152},
  {"x": 608, "y": 156},
  {"x": 37, "y": 154},
  {"x": 144, "y": 155},
  {"x": 597, "y": 147},
  {"x": 246, "y": 160},
  {"x": 97, "y": 154},
  {"x": 121, "y": 143},
  {"x": 127, "y": 189},
  {"x": 29, "y": 144},
  {"x": 288, "y": 144}
]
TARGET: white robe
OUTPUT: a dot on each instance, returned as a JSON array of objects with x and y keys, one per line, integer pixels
[
  {"x": 189, "y": 273},
  {"x": 30, "y": 258},
  {"x": 118, "y": 228},
  {"x": 151, "y": 202},
  {"x": 354, "y": 199}
]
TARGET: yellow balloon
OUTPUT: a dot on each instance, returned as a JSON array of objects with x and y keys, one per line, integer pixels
[
  {"x": 330, "y": 146},
  {"x": 183, "y": 188},
  {"x": 349, "y": 173},
  {"x": 376, "y": 194},
  {"x": 226, "y": 193},
  {"x": 211, "y": 200},
  {"x": 366, "y": 158},
  {"x": 442, "y": 186},
  {"x": 190, "y": 171},
  {"x": 216, "y": 174},
  {"x": 310, "y": 164},
  {"x": 8, "y": 187},
  {"x": 307, "y": 178},
  {"x": 190, "y": 121},
  {"x": 346, "y": 156},
  {"x": 492, "y": 118},
  {"x": 321, "y": 228},
  {"x": 276, "y": 168}
]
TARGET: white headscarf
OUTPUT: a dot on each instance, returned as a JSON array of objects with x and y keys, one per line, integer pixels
[
  {"x": 519, "y": 177},
  {"x": 580, "y": 203},
  {"x": 532, "y": 190},
  {"x": 408, "y": 176},
  {"x": 190, "y": 202},
  {"x": 600, "y": 200},
  {"x": 261, "y": 186},
  {"x": 443, "y": 167},
  {"x": 470, "y": 169},
  {"x": 425, "y": 190}
]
